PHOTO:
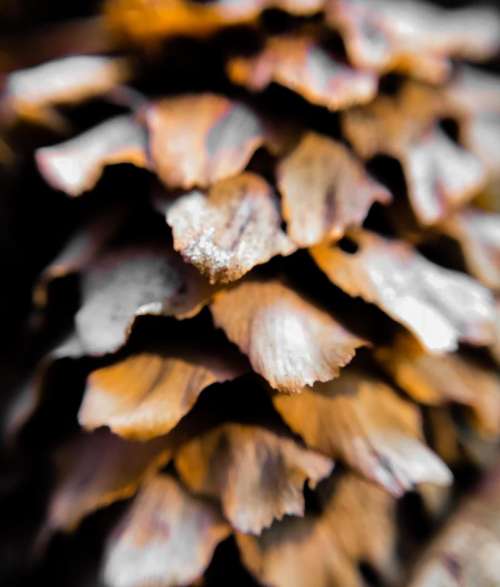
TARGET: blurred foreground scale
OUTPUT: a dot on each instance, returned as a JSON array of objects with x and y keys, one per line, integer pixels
[
  {"x": 32, "y": 93},
  {"x": 167, "y": 538},
  {"x": 144, "y": 20},
  {"x": 467, "y": 550},
  {"x": 282, "y": 294}
]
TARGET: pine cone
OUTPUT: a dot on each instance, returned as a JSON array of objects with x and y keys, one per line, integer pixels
[{"x": 264, "y": 349}]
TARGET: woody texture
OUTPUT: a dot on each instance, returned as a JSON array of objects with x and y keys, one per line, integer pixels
[{"x": 251, "y": 316}]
